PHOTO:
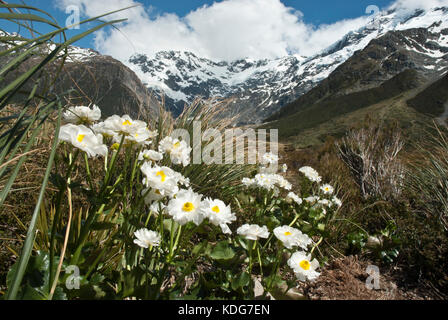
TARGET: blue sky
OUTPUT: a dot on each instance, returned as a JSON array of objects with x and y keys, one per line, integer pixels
[
  {"x": 155, "y": 20},
  {"x": 315, "y": 12}
]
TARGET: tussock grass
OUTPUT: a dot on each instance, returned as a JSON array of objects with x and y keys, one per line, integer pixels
[{"x": 429, "y": 176}]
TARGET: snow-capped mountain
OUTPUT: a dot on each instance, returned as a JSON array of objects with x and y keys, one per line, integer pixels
[
  {"x": 261, "y": 88},
  {"x": 75, "y": 54}
]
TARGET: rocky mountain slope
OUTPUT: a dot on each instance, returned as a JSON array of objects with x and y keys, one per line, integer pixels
[
  {"x": 433, "y": 100},
  {"x": 91, "y": 78},
  {"x": 106, "y": 82},
  {"x": 421, "y": 50},
  {"x": 260, "y": 89}
]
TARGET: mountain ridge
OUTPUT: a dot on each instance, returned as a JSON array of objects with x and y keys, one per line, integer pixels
[{"x": 260, "y": 88}]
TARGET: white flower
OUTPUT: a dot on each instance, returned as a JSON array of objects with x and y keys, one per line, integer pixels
[
  {"x": 304, "y": 268},
  {"x": 178, "y": 150},
  {"x": 311, "y": 174},
  {"x": 265, "y": 181},
  {"x": 225, "y": 229},
  {"x": 101, "y": 128},
  {"x": 84, "y": 139},
  {"x": 292, "y": 237},
  {"x": 163, "y": 179},
  {"x": 292, "y": 196},
  {"x": 373, "y": 242},
  {"x": 157, "y": 207},
  {"x": 82, "y": 115},
  {"x": 150, "y": 155},
  {"x": 153, "y": 134},
  {"x": 248, "y": 182},
  {"x": 146, "y": 238},
  {"x": 152, "y": 195},
  {"x": 312, "y": 199},
  {"x": 253, "y": 232},
  {"x": 337, "y": 202},
  {"x": 186, "y": 207},
  {"x": 324, "y": 203},
  {"x": 218, "y": 213},
  {"x": 270, "y": 181},
  {"x": 327, "y": 189},
  {"x": 182, "y": 180},
  {"x": 168, "y": 145},
  {"x": 283, "y": 183},
  {"x": 284, "y": 168},
  {"x": 123, "y": 125},
  {"x": 269, "y": 158},
  {"x": 181, "y": 155},
  {"x": 141, "y": 136}
]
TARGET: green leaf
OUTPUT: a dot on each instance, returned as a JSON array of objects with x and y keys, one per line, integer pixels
[
  {"x": 271, "y": 222},
  {"x": 199, "y": 248},
  {"x": 35, "y": 284},
  {"x": 222, "y": 251},
  {"x": 241, "y": 281},
  {"x": 242, "y": 242}
]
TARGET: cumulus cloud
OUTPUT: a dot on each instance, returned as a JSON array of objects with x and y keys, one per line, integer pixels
[
  {"x": 226, "y": 30},
  {"x": 408, "y": 5}
]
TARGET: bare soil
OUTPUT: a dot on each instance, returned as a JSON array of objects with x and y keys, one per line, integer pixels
[{"x": 345, "y": 279}]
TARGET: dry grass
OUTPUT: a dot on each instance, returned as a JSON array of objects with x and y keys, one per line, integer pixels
[
  {"x": 345, "y": 279},
  {"x": 19, "y": 205}
]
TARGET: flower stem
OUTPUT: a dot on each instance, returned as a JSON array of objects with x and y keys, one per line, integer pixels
[
  {"x": 89, "y": 176},
  {"x": 57, "y": 215},
  {"x": 259, "y": 260},
  {"x": 173, "y": 248},
  {"x": 250, "y": 258},
  {"x": 274, "y": 273},
  {"x": 317, "y": 244},
  {"x": 295, "y": 220}
]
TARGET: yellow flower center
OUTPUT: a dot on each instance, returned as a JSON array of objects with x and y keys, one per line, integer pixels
[
  {"x": 177, "y": 145},
  {"x": 81, "y": 138},
  {"x": 305, "y": 265},
  {"x": 162, "y": 175},
  {"x": 215, "y": 209},
  {"x": 287, "y": 233},
  {"x": 127, "y": 123},
  {"x": 188, "y": 207},
  {"x": 115, "y": 146}
]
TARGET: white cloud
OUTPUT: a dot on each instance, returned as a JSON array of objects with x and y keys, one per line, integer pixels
[
  {"x": 227, "y": 30},
  {"x": 408, "y": 5}
]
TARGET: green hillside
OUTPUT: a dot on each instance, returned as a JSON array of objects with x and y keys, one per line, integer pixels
[
  {"x": 331, "y": 108},
  {"x": 391, "y": 110},
  {"x": 432, "y": 100}
]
